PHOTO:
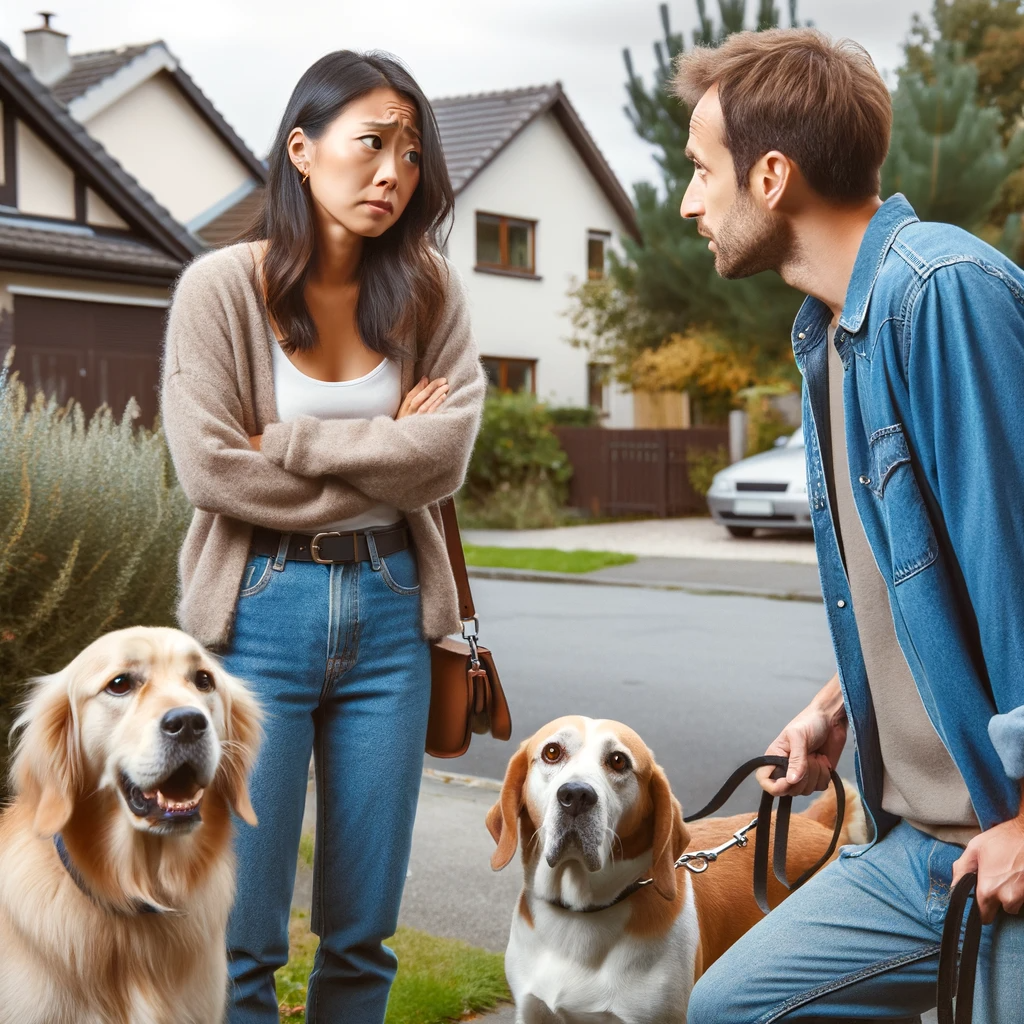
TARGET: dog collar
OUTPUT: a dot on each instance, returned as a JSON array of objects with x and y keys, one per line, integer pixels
[{"x": 140, "y": 906}]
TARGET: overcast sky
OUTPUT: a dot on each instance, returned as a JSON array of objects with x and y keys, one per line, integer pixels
[{"x": 246, "y": 55}]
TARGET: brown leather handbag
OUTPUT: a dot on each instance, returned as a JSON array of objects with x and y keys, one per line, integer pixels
[{"x": 465, "y": 693}]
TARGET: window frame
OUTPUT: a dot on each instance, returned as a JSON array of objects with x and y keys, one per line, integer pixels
[
  {"x": 503, "y": 267},
  {"x": 605, "y": 237},
  {"x": 503, "y": 368}
]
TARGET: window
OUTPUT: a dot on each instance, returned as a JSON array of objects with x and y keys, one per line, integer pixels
[
  {"x": 597, "y": 245},
  {"x": 504, "y": 244},
  {"x": 596, "y": 375},
  {"x": 511, "y": 374}
]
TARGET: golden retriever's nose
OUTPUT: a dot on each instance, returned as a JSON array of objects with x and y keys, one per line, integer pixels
[
  {"x": 576, "y": 797},
  {"x": 186, "y": 725}
]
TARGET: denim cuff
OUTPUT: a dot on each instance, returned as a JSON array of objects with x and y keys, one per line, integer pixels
[{"x": 1007, "y": 735}]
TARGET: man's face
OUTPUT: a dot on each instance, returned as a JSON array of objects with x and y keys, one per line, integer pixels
[{"x": 745, "y": 235}]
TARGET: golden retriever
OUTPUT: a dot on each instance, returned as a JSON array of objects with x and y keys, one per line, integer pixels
[{"x": 116, "y": 871}]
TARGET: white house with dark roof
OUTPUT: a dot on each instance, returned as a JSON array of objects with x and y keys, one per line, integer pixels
[{"x": 536, "y": 208}]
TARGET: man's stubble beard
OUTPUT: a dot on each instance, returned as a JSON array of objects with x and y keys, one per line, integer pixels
[{"x": 751, "y": 240}]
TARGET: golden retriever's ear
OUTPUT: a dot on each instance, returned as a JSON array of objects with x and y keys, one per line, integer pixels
[
  {"x": 242, "y": 716},
  {"x": 47, "y": 767},
  {"x": 671, "y": 837},
  {"x": 503, "y": 817}
]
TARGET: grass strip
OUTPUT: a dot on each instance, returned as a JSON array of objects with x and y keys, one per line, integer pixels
[
  {"x": 438, "y": 979},
  {"x": 543, "y": 559}
]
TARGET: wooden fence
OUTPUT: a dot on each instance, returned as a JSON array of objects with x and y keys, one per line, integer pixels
[{"x": 636, "y": 472}]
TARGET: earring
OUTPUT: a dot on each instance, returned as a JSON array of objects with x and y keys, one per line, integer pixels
[{"x": 305, "y": 177}]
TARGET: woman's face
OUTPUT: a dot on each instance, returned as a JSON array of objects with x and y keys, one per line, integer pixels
[{"x": 365, "y": 167}]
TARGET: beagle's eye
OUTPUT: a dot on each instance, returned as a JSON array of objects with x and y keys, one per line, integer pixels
[
  {"x": 552, "y": 753},
  {"x": 617, "y": 761},
  {"x": 204, "y": 681},
  {"x": 119, "y": 686}
]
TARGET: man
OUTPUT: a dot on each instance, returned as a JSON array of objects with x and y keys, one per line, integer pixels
[{"x": 911, "y": 344}]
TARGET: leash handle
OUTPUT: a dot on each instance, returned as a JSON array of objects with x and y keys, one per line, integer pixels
[
  {"x": 956, "y": 976},
  {"x": 764, "y": 821}
]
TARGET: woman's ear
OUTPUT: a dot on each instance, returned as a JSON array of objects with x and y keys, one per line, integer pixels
[
  {"x": 503, "y": 817},
  {"x": 671, "y": 837},
  {"x": 47, "y": 767},
  {"x": 242, "y": 716},
  {"x": 300, "y": 152}
]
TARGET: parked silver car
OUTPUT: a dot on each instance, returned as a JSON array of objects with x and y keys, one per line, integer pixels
[{"x": 767, "y": 490}]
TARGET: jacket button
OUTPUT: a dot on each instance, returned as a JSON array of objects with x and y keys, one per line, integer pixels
[
  {"x": 801, "y": 335},
  {"x": 840, "y": 603},
  {"x": 865, "y": 480}
]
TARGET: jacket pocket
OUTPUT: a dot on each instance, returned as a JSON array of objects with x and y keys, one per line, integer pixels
[{"x": 912, "y": 541}]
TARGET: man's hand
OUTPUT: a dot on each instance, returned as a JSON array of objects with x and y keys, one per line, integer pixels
[
  {"x": 998, "y": 857},
  {"x": 813, "y": 742},
  {"x": 426, "y": 396}
]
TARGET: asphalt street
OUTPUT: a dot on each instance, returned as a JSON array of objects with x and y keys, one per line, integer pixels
[{"x": 707, "y": 681}]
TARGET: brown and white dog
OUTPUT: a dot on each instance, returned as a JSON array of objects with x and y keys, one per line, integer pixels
[
  {"x": 594, "y": 813},
  {"x": 116, "y": 871}
]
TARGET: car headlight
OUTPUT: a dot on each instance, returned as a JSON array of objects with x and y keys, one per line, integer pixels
[{"x": 721, "y": 485}]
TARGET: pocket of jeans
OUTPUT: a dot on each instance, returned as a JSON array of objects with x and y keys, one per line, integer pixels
[
  {"x": 912, "y": 542},
  {"x": 256, "y": 575},
  {"x": 401, "y": 573}
]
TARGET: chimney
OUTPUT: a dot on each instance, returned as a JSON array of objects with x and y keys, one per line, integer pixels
[{"x": 46, "y": 51}]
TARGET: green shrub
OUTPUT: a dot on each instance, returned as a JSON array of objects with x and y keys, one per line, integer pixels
[
  {"x": 518, "y": 471},
  {"x": 765, "y": 424},
  {"x": 574, "y": 415},
  {"x": 702, "y": 464},
  {"x": 91, "y": 520}
]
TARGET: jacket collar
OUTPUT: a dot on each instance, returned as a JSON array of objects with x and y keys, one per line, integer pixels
[{"x": 889, "y": 219}]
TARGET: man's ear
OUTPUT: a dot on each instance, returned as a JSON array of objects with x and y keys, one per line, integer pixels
[
  {"x": 771, "y": 178},
  {"x": 671, "y": 837},
  {"x": 503, "y": 817},
  {"x": 242, "y": 716},
  {"x": 47, "y": 766}
]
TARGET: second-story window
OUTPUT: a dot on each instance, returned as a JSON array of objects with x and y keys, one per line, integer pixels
[
  {"x": 597, "y": 247},
  {"x": 505, "y": 243}
]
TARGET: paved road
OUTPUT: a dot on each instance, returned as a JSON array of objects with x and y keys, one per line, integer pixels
[{"x": 707, "y": 681}]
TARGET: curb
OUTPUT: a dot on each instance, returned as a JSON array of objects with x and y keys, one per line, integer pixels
[
  {"x": 704, "y": 589},
  {"x": 470, "y": 781}
]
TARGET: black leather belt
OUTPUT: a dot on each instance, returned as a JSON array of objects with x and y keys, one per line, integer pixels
[{"x": 328, "y": 548}]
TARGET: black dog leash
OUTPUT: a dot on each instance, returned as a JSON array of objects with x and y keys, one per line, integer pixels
[
  {"x": 699, "y": 861},
  {"x": 956, "y": 975},
  {"x": 763, "y": 822}
]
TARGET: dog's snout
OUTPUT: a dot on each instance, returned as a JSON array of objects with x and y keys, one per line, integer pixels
[
  {"x": 576, "y": 797},
  {"x": 185, "y": 725}
]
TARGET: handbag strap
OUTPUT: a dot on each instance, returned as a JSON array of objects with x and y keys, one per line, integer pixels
[
  {"x": 457, "y": 557},
  {"x": 956, "y": 977}
]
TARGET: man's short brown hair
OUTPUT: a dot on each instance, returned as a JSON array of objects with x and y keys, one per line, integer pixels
[{"x": 820, "y": 102}]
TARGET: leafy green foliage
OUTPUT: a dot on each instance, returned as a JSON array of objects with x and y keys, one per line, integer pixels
[
  {"x": 574, "y": 415},
  {"x": 544, "y": 559},
  {"x": 91, "y": 520},
  {"x": 702, "y": 464}
]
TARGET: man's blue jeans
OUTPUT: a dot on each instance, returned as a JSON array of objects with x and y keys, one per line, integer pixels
[
  {"x": 337, "y": 658},
  {"x": 860, "y": 941}
]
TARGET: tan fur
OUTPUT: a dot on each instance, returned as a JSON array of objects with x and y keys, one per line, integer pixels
[{"x": 71, "y": 959}]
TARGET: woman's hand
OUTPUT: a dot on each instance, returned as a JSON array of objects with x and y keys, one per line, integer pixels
[
  {"x": 426, "y": 396},
  {"x": 256, "y": 440}
]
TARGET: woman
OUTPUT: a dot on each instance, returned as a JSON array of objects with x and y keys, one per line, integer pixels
[{"x": 321, "y": 393}]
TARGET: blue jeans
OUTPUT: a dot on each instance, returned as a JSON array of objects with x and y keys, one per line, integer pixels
[
  {"x": 860, "y": 941},
  {"x": 337, "y": 658}
]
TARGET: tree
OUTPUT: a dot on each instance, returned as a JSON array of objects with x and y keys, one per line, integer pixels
[{"x": 667, "y": 285}]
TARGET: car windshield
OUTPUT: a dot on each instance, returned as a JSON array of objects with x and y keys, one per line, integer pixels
[{"x": 797, "y": 440}]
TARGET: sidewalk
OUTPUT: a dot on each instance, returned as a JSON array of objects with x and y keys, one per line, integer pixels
[{"x": 694, "y": 537}]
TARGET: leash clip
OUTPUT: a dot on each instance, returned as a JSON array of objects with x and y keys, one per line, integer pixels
[{"x": 701, "y": 860}]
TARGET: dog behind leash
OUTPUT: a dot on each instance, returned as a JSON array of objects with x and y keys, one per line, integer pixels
[
  {"x": 591, "y": 812},
  {"x": 116, "y": 871}
]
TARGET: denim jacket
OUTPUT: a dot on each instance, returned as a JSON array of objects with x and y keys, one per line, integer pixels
[{"x": 932, "y": 342}]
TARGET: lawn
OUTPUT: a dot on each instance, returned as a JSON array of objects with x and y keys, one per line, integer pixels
[
  {"x": 438, "y": 979},
  {"x": 543, "y": 559}
]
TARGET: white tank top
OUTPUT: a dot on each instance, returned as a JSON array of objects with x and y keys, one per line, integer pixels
[{"x": 377, "y": 393}]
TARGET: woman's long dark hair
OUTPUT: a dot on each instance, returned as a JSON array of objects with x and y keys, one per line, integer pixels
[{"x": 401, "y": 278}]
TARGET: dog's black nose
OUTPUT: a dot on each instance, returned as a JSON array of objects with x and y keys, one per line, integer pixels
[
  {"x": 576, "y": 797},
  {"x": 183, "y": 724}
]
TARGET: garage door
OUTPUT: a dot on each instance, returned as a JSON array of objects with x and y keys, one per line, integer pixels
[{"x": 99, "y": 353}]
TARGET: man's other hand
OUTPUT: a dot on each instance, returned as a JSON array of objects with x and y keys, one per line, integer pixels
[
  {"x": 998, "y": 858},
  {"x": 813, "y": 742}
]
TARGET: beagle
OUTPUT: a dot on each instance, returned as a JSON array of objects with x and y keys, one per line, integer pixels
[{"x": 594, "y": 813}]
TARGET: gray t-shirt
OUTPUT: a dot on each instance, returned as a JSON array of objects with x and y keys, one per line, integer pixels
[{"x": 920, "y": 783}]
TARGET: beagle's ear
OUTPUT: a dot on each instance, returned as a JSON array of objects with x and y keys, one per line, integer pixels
[
  {"x": 671, "y": 836},
  {"x": 242, "y": 715},
  {"x": 47, "y": 767},
  {"x": 503, "y": 817}
]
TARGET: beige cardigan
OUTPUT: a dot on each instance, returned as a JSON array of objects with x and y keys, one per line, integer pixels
[{"x": 218, "y": 390}]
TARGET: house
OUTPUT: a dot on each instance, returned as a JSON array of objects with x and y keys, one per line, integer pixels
[
  {"x": 536, "y": 209},
  {"x": 87, "y": 256}
]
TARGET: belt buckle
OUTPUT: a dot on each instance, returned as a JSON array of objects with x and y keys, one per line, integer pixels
[{"x": 314, "y": 547}]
